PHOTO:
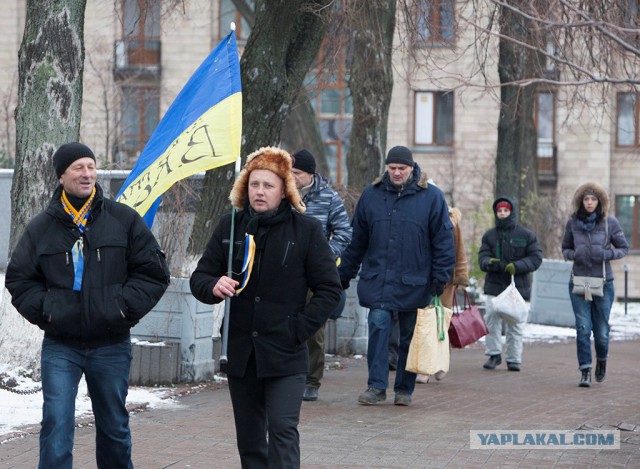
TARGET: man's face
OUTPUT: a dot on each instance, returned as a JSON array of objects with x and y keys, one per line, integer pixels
[
  {"x": 303, "y": 179},
  {"x": 399, "y": 173},
  {"x": 266, "y": 190},
  {"x": 79, "y": 178}
]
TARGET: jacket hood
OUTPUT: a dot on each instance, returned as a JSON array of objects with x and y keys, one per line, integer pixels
[
  {"x": 511, "y": 220},
  {"x": 598, "y": 190}
]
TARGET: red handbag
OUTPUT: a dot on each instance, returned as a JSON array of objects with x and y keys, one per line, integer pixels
[{"x": 468, "y": 326}]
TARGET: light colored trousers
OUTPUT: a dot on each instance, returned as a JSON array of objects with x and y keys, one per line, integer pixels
[{"x": 493, "y": 341}]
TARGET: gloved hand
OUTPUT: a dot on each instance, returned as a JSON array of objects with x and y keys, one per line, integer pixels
[
  {"x": 436, "y": 288},
  {"x": 493, "y": 265},
  {"x": 510, "y": 268},
  {"x": 345, "y": 284}
]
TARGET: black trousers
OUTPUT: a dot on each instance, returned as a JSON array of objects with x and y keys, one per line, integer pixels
[{"x": 264, "y": 406}]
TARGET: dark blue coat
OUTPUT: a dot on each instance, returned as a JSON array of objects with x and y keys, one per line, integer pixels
[{"x": 403, "y": 239}]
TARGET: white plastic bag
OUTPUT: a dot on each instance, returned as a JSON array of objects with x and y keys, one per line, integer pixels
[{"x": 510, "y": 306}]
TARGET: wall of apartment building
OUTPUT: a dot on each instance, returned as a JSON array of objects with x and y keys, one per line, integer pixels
[
  {"x": 584, "y": 135},
  {"x": 465, "y": 171}
]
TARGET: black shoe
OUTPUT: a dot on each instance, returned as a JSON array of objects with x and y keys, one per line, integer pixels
[
  {"x": 601, "y": 370},
  {"x": 492, "y": 362},
  {"x": 310, "y": 393},
  {"x": 585, "y": 380},
  {"x": 372, "y": 396},
  {"x": 511, "y": 366}
]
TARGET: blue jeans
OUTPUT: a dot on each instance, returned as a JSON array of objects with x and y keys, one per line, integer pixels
[
  {"x": 380, "y": 323},
  {"x": 592, "y": 316},
  {"x": 106, "y": 371}
]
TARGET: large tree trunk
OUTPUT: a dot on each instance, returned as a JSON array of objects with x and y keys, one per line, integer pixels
[
  {"x": 516, "y": 164},
  {"x": 371, "y": 84},
  {"x": 282, "y": 45},
  {"x": 51, "y": 61}
]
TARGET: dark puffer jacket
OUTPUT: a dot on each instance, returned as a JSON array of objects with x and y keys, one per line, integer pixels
[
  {"x": 587, "y": 249},
  {"x": 124, "y": 275},
  {"x": 511, "y": 243}
]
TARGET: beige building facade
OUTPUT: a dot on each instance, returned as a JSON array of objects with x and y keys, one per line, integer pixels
[{"x": 441, "y": 108}]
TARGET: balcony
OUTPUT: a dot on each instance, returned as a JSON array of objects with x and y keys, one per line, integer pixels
[
  {"x": 547, "y": 162},
  {"x": 137, "y": 58}
]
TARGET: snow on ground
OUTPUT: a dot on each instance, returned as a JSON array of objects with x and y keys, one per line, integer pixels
[{"x": 18, "y": 410}]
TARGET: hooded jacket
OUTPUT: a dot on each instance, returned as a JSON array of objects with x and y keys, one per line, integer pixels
[
  {"x": 124, "y": 274},
  {"x": 402, "y": 241},
  {"x": 511, "y": 243},
  {"x": 588, "y": 244}
]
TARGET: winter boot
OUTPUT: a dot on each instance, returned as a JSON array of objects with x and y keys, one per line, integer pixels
[
  {"x": 492, "y": 362},
  {"x": 585, "y": 380},
  {"x": 601, "y": 370}
]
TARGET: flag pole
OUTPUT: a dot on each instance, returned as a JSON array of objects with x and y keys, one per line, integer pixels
[{"x": 227, "y": 301}]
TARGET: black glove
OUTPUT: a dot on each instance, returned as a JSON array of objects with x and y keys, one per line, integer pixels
[
  {"x": 436, "y": 288},
  {"x": 345, "y": 284},
  {"x": 494, "y": 265}
]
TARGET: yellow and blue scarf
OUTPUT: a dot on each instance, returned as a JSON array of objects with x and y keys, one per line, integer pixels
[{"x": 80, "y": 218}]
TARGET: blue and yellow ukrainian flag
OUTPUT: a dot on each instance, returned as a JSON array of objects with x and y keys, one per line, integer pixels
[{"x": 201, "y": 130}]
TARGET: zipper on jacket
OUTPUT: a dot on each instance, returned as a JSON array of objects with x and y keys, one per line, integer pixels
[
  {"x": 67, "y": 256},
  {"x": 286, "y": 251},
  {"x": 98, "y": 252}
]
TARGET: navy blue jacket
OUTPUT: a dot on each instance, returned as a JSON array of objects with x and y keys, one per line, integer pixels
[{"x": 403, "y": 239}]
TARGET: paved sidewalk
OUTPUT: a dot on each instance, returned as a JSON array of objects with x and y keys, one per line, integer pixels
[{"x": 434, "y": 432}]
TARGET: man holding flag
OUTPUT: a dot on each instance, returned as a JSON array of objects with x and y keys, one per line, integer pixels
[{"x": 279, "y": 255}]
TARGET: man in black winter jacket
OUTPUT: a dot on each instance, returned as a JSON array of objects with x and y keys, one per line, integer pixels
[
  {"x": 85, "y": 271},
  {"x": 506, "y": 250}
]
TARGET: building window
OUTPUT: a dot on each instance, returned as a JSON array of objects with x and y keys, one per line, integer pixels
[
  {"x": 545, "y": 124},
  {"x": 436, "y": 21},
  {"x": 627, "y": 121},
  {"x": 229, "y": 14},
  {"x": 433, "y": 118},
  {"x": 140, "y": 116},
  {"x": 141, "y": 29},
  {"x": 628, "y": 214},
  {"x": 333, "y": 106}
]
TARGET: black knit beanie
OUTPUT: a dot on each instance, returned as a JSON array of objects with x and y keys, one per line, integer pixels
[
  {"x": 68, "y": 153},
  {"x": 399, "y": 155},
  {"x": 304, "y": 161}
]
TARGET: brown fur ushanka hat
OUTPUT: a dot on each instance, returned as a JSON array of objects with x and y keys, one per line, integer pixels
[{"x": 278, "y": 162}]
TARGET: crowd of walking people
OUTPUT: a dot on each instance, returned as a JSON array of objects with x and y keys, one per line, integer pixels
[{"x": 87, "y": 269}]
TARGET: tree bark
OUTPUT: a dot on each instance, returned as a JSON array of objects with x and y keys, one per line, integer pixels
[
  {"x": 301, "y": 130},
  {"x": 516, "y": 158},
  {"x": 51, "y": 61},
  {"x": 283, "y": 43},
  {"x": 371, "y": 84}
]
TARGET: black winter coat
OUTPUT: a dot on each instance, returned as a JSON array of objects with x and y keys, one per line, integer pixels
[
  {"x": 124, "y": 276},
  {"x": 271, "y": 316},
  {"x": 511, "y": 243}
]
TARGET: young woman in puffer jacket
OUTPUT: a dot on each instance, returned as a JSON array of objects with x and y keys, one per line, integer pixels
[{"x": 592, "y": 238}]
